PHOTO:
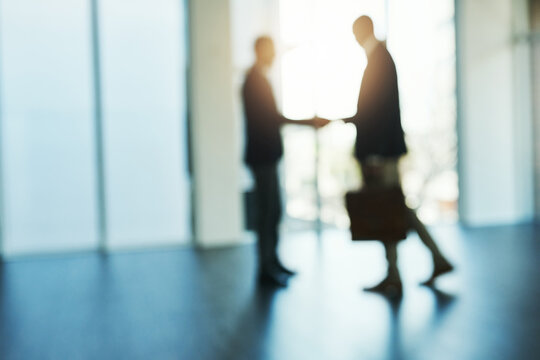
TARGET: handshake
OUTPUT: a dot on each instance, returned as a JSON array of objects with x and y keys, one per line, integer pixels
[
  {"x": 316, "y": 122},
  {"x": 319, "y": 122}
]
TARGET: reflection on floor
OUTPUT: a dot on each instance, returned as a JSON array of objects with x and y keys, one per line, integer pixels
[{"x": 186, "y": 304}]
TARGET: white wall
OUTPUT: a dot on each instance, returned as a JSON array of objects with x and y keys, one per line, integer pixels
[
  {"x": 495, "y": 146},
  {"x": 214, "y": 129}
]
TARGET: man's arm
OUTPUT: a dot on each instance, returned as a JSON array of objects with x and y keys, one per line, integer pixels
[
  {"x": 316, "y": 122},
  {"x": 349, "y": 119},
  {"x": 372, "y": 97},
  {"x": 259, "y": 97}
]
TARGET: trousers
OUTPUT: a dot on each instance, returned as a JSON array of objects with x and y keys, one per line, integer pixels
[{"x": 269, "y": 212}]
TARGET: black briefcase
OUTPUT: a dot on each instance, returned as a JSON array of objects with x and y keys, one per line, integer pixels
[{"x": 377, "y": 213}]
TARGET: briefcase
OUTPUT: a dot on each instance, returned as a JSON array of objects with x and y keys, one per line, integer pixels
[{"x": 377, "y": 213}]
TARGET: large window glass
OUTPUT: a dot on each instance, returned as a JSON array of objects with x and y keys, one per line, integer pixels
[
  {"x": 47, "y": 126},
  {"x": 143, "y": 57},
  {"x": 48, "y": 121},
  {"x": 322, "y": 67},
  {"x": 425, "y": 55},
  {"x": 321, "y": 72}
]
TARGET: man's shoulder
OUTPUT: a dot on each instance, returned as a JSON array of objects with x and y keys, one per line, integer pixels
[
  {"x": 382, "y": 51},
  {"x": 382, "y": 59},
  {"x": 252, "y": 76},
  {"x": 254, "y": 73}
]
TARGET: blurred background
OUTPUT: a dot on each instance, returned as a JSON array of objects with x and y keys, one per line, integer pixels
[
  {"x": 121, "y": 130},
  {"x": 116, "y": 120},
  {"x": 93, "y": 116}
]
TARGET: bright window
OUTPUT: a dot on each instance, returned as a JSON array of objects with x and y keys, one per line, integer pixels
[{"x": 321, "y": 71}]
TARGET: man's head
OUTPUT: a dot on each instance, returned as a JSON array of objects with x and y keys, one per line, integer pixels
[
  {"x": 363, "y": 29},
  {"x": 265, "y": 51}
]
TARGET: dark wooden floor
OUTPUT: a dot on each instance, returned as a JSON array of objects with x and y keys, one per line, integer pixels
[{"x": 185, "y": 304}]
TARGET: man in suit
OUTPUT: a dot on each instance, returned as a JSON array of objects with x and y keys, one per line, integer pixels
[
  {"x": 380, "y": 143},
  {"x": 264, "y": 149}
]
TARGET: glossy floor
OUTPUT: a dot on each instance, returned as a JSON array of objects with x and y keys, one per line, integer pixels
[{"x": 188, "y": 304}]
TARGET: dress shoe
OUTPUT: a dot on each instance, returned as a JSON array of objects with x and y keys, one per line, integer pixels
[
  {"x": 273, "y": 279},
  {"x": 388, "y": 287},
  {"x": 439, "y": 269}
]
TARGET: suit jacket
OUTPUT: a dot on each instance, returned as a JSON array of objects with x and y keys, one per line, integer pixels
[
  {"x": 378, "y": 119},
  {"x": 262, "y": 120}
]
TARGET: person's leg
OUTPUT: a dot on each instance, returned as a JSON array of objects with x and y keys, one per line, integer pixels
[
  {"x": 377, "y": 175},
  {"x": 391, "y": 285},
  {"x": 390, "y": 247},
  {"x": 275, "y": 212},
  {"x": 440, "y": 264},
  {"x": 265, "y": 198},
  {"x": 424, "y": 236},
  {"x": 264, "y": 221},
  {"x": 276, "y": 220},
  {"x": 370, "y": 175}
]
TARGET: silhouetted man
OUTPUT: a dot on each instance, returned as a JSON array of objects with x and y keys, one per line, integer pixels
[
  {"x": 264, "y": 149},
  {"x": 380, "y": 143}
]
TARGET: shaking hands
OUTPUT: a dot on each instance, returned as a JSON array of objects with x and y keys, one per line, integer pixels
[
  {"x": 316, "y": 122},
  {"x": 319, "y": 122}
]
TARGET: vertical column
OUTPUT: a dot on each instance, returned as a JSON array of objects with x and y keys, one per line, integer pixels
[
  {"x": 535, "y": 38},
  {"x": 214, "y": 131},
  {"x": 523, "y": 111},
  {"x": 100, "y": 166},
  {"x": 492, "y": 160},
  {"x": 1, "y": 152}
]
